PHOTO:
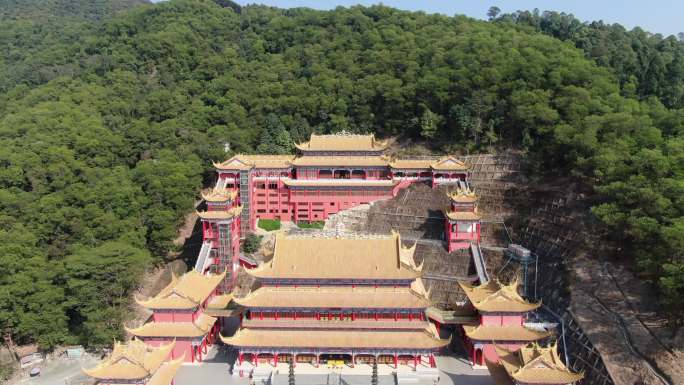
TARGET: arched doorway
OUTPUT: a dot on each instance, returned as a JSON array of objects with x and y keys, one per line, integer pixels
[
  {"x": 478, "y": 357},
  {"x": 335, "y": 360}
]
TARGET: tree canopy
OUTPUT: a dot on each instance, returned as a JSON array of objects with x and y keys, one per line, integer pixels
[{"x": 108, "y": 127}]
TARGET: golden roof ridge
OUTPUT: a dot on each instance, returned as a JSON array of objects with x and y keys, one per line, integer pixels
[
  {"x": 221, "y": 214},
  {"x": 494, "y": 296},
  {"x": 134, "y": 360},
  {"x": 185, "y": 292}
]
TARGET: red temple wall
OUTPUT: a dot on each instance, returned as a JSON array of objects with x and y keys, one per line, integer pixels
[
  {"x": 172, "y": 317},
  {"x": 500, "y": 320},
  {"x": 182, "y": 347}
]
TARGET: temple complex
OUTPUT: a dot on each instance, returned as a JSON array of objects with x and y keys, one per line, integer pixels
[
  {"x": 355, "y": 300},
  {"x": 178, "y": 314},
  {"x": 502, "y": 316},
  {"x": 531, "y": 364},
  {"x": 350, "y": 300},
  {"x": 330, "y": 173},
  {"x": 137, "y": 363}
]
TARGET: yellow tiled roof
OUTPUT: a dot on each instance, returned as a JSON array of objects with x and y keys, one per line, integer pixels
[
  {"x": 342, "y": 142},
  {"x": 419, "y": 339},
  {"x": 412, "y": 163},
  {"x": 340, "y": 258},
  {"x": 449, "y": 163},
  {"x": 463, "y": 195},
  {"x": 219, "y": 195},
  {"x": 335, "y": 296},
  {"x": 498, "y": 373},
  {"x": 220, "y": 301},
  {"x": 186, "y": 292},
  {"x": 463, "y": 215},
  {"x": 343, "y": 161},
  {"x": 504, "y": 333},
  {"x": 246, "y": 162},
  {"x": 164, "y": 375},
  {"x": 496, "y": 297},
  {"x": 175, "y": 329},
  {"x": 533, "y": 364},
  {"x": 340, "y": 182},
  {"x": 132, "y": 361},
  {"x": 221, "y": 214}
]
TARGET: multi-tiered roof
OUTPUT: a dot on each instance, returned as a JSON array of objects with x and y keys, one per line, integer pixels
[
  {"x": 221, "y": 214},
  {"x": 373, "y": 258},
  {"x": 496, "y": 298},
  {"x": 463, "y": 205},
  {"x": 343, "y": 142},
  {"x": 220, "y": 194},
  {"x": 186, "y": 293},
  {"x": 532, "y": 364},
  {"x": 426, "y": 339},
  {"x": 341, "y": 150},
  {"x": 136, "y": 362},
  {"x": 327, "y": 261},
  {"x": 346, "y": 297}
]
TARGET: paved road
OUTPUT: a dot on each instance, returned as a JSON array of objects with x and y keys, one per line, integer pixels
[{"x": 62, "y": 371}]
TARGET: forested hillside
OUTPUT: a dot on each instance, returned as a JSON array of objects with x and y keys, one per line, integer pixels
[
  {"x": 108, "y": 129},
  {"x": 43, "y": 10},
  {"x": 644, "y": 63}
]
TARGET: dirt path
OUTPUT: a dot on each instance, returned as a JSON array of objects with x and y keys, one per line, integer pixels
[{"x": 610, "y": 315}]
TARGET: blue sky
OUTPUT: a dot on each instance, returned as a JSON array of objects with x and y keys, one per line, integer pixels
[{"x": 657, "y": 16}]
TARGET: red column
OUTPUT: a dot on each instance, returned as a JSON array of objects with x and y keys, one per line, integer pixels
[
  {"x": 395, "y": 316},
  {"x": 318, "y": 316},
  {"x": 415, "y": 362},
  {"x": 410, "y": 316},
  {"x": 375, "y": 313},
  {"x": 240, "y": 357},
  {"x": 192, "y": 354},
  {"x": 396, "y": 361},
  {"x": 352, "y": 361},
  {"x": 255, "y": 359},
  {"x": 275, "y": 359},
  {"x": 276, "y": 316}
]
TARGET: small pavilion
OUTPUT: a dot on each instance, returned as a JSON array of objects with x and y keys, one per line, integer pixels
[
  {"x": 532, "y": 364},
  {"x": 137, "y": 363},
  {"x": 502, "y": 315}
]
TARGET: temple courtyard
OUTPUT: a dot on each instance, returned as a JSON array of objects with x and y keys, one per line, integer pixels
[{"x": 215, "y": 371}]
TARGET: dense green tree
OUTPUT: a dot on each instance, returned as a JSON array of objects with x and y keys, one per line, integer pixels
[
  {"x": 98, "y": 285},
  {"x": 109, "y": 124}
]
